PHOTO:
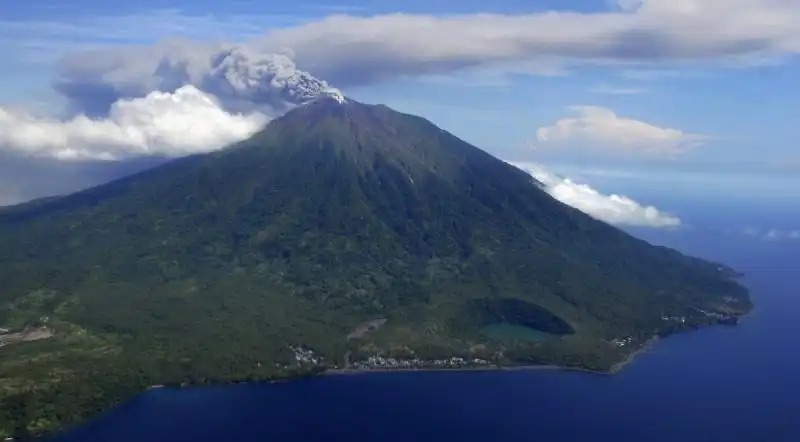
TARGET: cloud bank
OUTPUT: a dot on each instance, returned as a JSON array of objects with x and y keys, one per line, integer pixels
[
  {"x": 637, "y": 31},
  {"x": 600, "y": 127},
  {"x": 355, "y": 50},
  {"x": 613, "y": 209}
]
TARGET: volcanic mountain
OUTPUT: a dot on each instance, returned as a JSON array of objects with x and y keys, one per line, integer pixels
[{"x": 340, "y": 231}]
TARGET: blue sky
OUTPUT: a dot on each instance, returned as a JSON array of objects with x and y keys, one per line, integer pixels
[{"x": 667, "y": 93}]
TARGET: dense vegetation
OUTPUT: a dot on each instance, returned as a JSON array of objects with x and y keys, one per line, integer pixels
[{"x": 208, "y": 268}]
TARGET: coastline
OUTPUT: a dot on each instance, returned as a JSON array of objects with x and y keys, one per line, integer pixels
[
  {"x": 357, "y": 371},
  {"x": 612, "y": 370},
  {"x": 624, "y": 363}
]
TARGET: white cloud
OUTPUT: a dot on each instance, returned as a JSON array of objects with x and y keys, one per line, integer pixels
[
  {"x": 171, "y": 124},
  {"x": 649, "y": 75},
  {"x": 613, "y": 209},
  {"x": 617, "y": 90},
  {"x": 782, "y": 234},
  {"x": 772, "y": 234},
  {"x": 601, "y": 127}
]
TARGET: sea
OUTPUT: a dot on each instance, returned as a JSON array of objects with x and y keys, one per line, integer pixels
[{"x": 732, "y": 384}]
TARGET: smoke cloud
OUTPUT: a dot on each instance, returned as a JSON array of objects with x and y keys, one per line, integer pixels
[{"x": 241, "y": 79}]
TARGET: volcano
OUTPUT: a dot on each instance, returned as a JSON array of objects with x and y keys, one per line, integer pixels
[{"x": 340, "y": 231}]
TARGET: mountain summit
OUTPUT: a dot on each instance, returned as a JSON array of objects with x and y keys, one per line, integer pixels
[{"x": 341, "y": 231}]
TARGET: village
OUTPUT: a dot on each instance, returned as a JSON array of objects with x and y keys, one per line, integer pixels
[
  {"x": 379, "y": 362},
  {"x": 681, "y": 319},
  {"x": 621, "y": 342},
  {"x": 307, "y": 357},
  {"x": 720, "y": 317}
]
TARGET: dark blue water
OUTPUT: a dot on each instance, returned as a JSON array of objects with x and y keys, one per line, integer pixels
[{"x": 719, "y": 384}]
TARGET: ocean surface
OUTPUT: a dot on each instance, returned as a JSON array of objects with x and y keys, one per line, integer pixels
[{"x": 718, "y": 384}]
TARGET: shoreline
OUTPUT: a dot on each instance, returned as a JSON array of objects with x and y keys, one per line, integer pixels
[
  {"x": 615, "y": 368},
  {"x": 357, "y": 371},
  {"x": 647, "y": 345},
  {"x": 612, "y": 370}
]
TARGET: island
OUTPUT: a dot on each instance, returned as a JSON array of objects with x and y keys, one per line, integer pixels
[{"x": 343, "y": 237}]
